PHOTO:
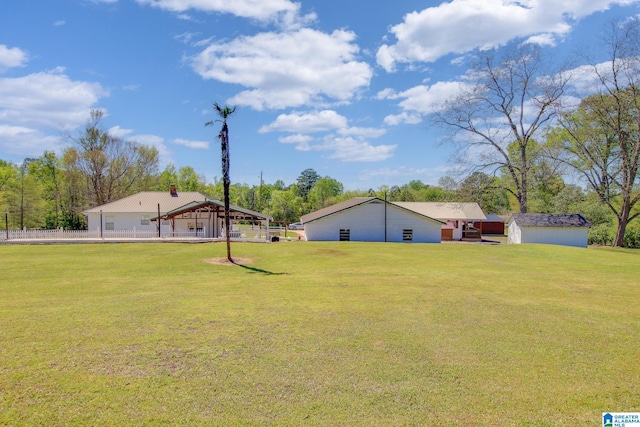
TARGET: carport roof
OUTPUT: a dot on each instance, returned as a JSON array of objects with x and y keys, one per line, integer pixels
[{"x": 211, "y": 205}]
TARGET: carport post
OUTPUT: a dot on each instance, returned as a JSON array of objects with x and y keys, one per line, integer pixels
[
  {"x": 101, "y": 224},
  {"x": 6, "y": 222},
  {"x": 159, "y": 222}
]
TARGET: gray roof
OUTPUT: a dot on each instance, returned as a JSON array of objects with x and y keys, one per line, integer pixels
[
  {"x": 549, "y": 220},
  {"x": 147, "y": 201}
]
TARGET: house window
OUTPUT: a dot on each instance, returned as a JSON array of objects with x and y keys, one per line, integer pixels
[
  {"x": 407, "y": 234},
  {"x": 345, "y": 234},
  {"x": 144, "y": 220},
  {"x": 191, "y": 226},
  {"x": 109, "y": 222}
]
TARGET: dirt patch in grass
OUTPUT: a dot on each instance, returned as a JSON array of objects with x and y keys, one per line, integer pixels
[{"x": 225, "y": 261}]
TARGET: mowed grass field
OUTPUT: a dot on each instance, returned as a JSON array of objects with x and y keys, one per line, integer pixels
[{"x": 318, "y": 334}]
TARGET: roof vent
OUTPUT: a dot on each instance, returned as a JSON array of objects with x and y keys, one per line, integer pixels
[{"x": 173, "y": 191}]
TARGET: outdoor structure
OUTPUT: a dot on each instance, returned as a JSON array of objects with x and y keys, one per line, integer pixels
[
  {"x": 207, "y": 217},
  {"x": 134, "y": 213},
  {"x": 460, "y": 217},
  {"x": 370, "y": 219},
  {"x": 494, "y": 224},
  {"x": 188, "y": 214},
  {"x": 553, "y": 229}
]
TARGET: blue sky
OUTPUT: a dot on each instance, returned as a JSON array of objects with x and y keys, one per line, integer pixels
[{"x": 343, "y": 87}]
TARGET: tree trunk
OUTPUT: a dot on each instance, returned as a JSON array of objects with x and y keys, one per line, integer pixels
[
  {"x": 226, "y": 183},
  {"x": 623, "y": 219}
]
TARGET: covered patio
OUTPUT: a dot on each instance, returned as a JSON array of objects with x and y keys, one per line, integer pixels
[{"x": 205, "y": 219}]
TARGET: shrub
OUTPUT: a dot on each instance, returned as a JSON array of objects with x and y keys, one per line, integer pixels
[
  {"x": 632, "y": 238},
  {"x": 601, "y": 235}
]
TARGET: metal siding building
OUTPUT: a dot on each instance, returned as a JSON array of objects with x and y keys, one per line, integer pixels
[{"x": 370, "y": 219}]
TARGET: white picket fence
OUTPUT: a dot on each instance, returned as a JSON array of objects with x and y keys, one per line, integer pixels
[
  {"x": 258, "y": 233},
  {"x": 61, "y": 234}
]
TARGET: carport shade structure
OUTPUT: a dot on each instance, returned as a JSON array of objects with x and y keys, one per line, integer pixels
[{"x": 215, "y": 207}]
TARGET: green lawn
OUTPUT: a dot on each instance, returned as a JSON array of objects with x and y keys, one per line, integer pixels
[{"x": 318, "y": 334}]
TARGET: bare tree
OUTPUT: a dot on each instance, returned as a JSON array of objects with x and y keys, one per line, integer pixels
[
  {"x": 112, "y": 168},
  {"x": 224, "y": 113},
  {"x": 497, "y": 116}
]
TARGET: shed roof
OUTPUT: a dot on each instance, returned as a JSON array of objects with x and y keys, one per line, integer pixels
[
  {"x": 444, "y": 211},
  {"x": 549, "y": 220},
  {"x": 147, "y": 201}
]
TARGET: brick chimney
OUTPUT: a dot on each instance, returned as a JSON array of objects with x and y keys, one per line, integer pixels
[{"x": 173, "y": 191}]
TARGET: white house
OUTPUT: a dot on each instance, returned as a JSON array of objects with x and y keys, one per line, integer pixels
[
  {"x": 180, "y": 214},
  {"x": 135, "y": 212},
  {"x": 458, "y": 216},
  {"x": 370, "y": 219},
  {"x": 553, "y": 229}
]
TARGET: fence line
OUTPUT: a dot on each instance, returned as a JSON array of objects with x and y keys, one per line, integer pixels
[
  {"x": 259, "y": 233},
  {"x": 61, "y": 234}
]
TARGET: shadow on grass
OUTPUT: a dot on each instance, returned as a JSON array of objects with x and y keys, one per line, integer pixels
[{"x": 259, "y": 270}]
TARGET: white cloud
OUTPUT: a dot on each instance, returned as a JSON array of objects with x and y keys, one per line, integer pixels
[
  {"x": 421, "y": 100},
  {"x": 12, "y": 57},
  {"x": 157, "y": 142},
  {"x": 59, "y": 23},
  {"x": 362, "y": 132},
  {"x": 402, "y": 118},
  {"x": 320, "y": 121},
  {"x": 460, "y": 26},
  {"x": 355, "y": 150},
  {"x": 149, "y": 140},
  {"x": 349, "y": 145},
  {"x": 49, "y": 99},
  {"x": 296, "y": 139},
  {"x": 27, "y": 142},
  {"x": 284, "y": 12},
  {"x": 289, "y": 69},
  {"x": 119, "y": 132},
  {"x": 302, "y": 142},
  {"x": 197, "y": 145}
]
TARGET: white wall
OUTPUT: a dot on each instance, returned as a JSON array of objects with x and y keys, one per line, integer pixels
[
  {"x": 367, "y": 223},
  {"x": 122, "y": 221},
  {"x": 514, "y": 234},
  {"x": 566, "y": 236},
  {"x": 130, "y": 221}
]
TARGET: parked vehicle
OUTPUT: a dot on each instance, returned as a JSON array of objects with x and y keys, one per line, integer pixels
[{"x": 296, "y": 226}]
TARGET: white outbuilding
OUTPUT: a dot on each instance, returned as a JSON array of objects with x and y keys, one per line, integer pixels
[
  {"x": 370, "y": 219},
  {"x": 552, "y": 229}
]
